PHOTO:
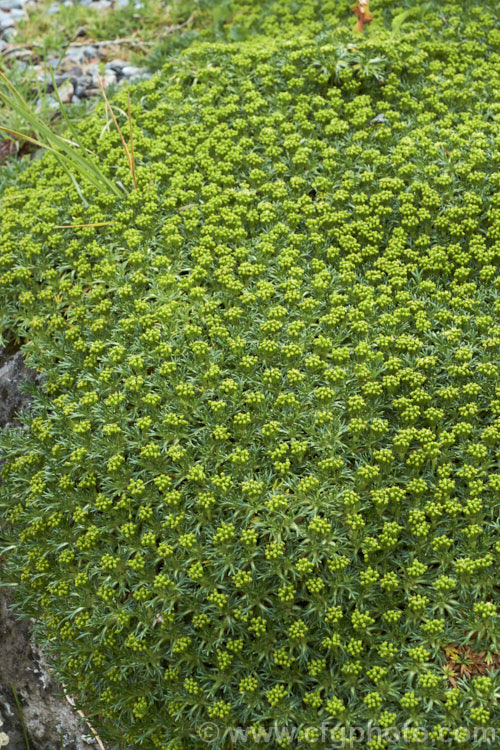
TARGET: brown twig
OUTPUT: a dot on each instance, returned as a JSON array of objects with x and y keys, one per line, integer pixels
[
  {"x": 125, "y": 147},
  {"x": 82, "y": 715},
  {"x": 129, "y": 41},
  {"x": 177, "y": 27},
  {"x": 80, "y": 226},
  {"x": 132, "y": 157},
  {"x": 362, "y": 13}
]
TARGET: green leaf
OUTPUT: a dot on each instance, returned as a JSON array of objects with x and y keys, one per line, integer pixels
[
  {"x": 222, "y": 12},
  {"x": 399, "y": 20},
  {"x": 239, "y": 33}
]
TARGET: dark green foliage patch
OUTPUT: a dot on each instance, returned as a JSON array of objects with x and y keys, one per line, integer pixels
[{"x": 260, "y": 482}]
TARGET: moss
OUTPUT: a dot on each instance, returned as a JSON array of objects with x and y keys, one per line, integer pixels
[{"x": 260, "y": 481}]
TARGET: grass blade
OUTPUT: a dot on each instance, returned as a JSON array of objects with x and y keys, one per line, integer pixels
[
  {"x": 21, "y": 717},
  {"x": 25, "y": 137},
  {"x": 80, "y": 226},
  {"x": 63, "y": 109},
  {"x": 125, "y": 147},
  {"x": 132, "y": 157},
  {"x": 63, "y": 148}
]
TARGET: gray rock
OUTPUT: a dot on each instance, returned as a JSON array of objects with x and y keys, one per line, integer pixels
[
  {"x": 90, "y": 92},
  {"x": 54, "y": 8},
  {"x": 46, "y": 80},
  {"x": 75, "y": 55},
  {"x": 117, "y": 65},
  {"x": 81, "y": 84},
  {"x": 8, "y": 34},
  {"x": 65, "y": 93},
  {"x": 90, "y": 52},
  {"x": 17, "y": 13},
  {"x": 12, "y": 374},
  {"x": 45, "y": 714},
  {"x": 94, "y": 76},
  {"x": 140, "y": 77},
  {"x": 6, "y": 20},
  {"x": 10, "y": 4},
  {"x": 131, "y": 70},
  {"x": 101, "y": 4},
  {"x": 48, "y": 102}
]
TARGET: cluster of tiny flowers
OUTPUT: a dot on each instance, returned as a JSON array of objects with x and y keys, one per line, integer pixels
[{"x": 260, "y": 477}]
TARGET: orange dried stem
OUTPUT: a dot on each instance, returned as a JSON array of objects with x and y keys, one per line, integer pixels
[
  {"x": 79, "y": 226},
  {"x": 362, "y": 13},
  {"x": 124, "y": 144},
  {"x": 132, "y": 157}
]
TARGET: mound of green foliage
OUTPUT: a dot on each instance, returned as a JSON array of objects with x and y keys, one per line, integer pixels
[{"x": 260, "y": 482}]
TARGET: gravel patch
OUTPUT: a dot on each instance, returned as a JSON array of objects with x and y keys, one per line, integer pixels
[{"x": 78, "y": 71}]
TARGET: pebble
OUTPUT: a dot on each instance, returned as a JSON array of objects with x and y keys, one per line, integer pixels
[
  {"x": 88, "y": 93},
  {"x": 75, "y": 56},
  {"x": 65, "y": 93},
  {"x": 47, "y": 81},
  {"x": 6, "y": 20},
  {"x": 117, "y": 64},
  {"x": 48, "y": 102},
  {"x": 10, "y": 5},
  {"x": 135, "y": 79},
  {"x": 90, "y": 52},
  {"x": 8, "y": 34},
  {"x": 130, "y": 70},
  {"x": 107, "y": 79}
]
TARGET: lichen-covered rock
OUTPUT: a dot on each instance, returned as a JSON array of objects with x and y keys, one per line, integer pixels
[
  {"x": 49, "y": 719},
  {"x": 13, "y": 373}
]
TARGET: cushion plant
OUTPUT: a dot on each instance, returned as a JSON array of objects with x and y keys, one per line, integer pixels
[{"x": 260, "y": 481}]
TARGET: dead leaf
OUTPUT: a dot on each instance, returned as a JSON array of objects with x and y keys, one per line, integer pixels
[{"x": 463, "y": 662}]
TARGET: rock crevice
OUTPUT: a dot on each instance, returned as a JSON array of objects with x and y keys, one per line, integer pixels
[{"x": 49, "y": 720}]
